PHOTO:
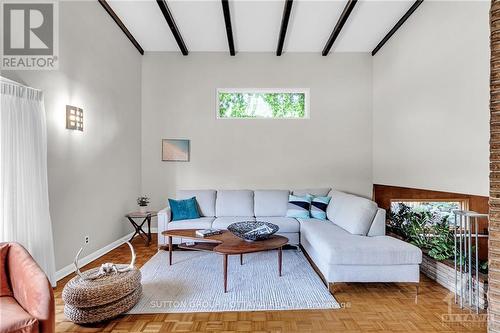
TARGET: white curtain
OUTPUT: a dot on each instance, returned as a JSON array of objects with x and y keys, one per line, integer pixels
[{"x": 24, "y": 197}]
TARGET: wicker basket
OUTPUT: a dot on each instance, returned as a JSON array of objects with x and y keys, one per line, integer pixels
[
  {"x": 103, "y": 312},
  {"x": 90, "y": 293},
  {"x": 89, "y": 301}
]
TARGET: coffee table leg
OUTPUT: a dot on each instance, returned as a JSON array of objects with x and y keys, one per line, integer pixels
[
  {"x": 241, "y": 259},
  {"x": 170, "y": 250},
  {"x": 225, "y": 273},
  {"x": 280, "y": 259}
]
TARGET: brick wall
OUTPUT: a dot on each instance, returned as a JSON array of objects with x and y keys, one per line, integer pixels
[{"x": 494, "y": 226}]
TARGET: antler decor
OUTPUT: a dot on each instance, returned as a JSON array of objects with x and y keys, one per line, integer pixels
[
  {"x": 77, "y": 269},
  {"x": 105, "y": 269}
]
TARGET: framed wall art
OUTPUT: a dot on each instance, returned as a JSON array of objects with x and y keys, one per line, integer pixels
[{"x": 175, "y": 150}]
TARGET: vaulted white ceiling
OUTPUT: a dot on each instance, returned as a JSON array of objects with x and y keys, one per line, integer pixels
[{"x": 256, "y": 24}]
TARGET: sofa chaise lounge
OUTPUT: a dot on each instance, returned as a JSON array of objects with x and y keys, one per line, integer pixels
[{"x": 350, "y": 246}]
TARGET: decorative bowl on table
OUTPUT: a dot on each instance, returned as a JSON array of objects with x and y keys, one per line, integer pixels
[{"x": 253, "y": 230}]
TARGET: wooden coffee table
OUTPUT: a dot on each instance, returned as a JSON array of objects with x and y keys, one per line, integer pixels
[{"x": 226, "y": 244}]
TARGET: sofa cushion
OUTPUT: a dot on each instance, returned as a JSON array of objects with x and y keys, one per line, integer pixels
[
  {"x": 318, "y": 207},
  {"x": 185, "y": 209},
  {"x": 339, "y": 247},
  {"x": 234, "y": 203},
  {"x": 299, "y": 206},
  {"x": 319, "y": 192},
  {"x": 31, "y": 288},
  {"x": 270, "y": 202},
  {"x": 224, "y": 221},
  {"x": 204, "y": 198},
  {"x": 350, "y": 212},
  {"x": 5, "y": 289},
  {"x": 201, "y": 223},
  {"x": 13, "y": 318},
  {"x": 286, "y": 224}
]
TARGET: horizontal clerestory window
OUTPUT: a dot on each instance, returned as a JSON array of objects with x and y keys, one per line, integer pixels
[{"x": 262, "y": 103}]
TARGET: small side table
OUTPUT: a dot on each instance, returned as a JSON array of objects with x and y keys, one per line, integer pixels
[{"x": 146, "y": 216}]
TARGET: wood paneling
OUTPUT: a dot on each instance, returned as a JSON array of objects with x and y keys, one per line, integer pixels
[
  {"x": 366, "y": 307},
  {"x": 383, "y": 194}
]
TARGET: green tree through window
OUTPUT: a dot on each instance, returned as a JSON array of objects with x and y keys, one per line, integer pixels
[{"x": 279, "y": 105}]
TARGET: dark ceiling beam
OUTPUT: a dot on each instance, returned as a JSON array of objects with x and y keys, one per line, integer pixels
[
  {"x": 173, "y": 27},
  {"x": 340, "y": 24},
  {"x": 229, "y": 28},
  {"x": 122, "y": 26},
  {"x": 397, "y": 26},
  {"x": 284, "y": 25}
]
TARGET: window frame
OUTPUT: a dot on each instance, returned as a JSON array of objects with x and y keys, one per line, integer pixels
[{"x": 305, "y": 91}]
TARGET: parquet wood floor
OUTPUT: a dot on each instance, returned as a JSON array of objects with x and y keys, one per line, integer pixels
[{"x": 367, "y": 308}]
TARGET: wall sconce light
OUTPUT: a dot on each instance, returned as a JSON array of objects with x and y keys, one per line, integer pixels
[{"x": 74, "y": 118}]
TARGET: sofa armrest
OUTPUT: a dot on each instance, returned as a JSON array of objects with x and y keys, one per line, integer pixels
[
  {"x": 164, "y": 217},
  {"x": 378, "y": 225},
  {"x": 31, "y": 288}
]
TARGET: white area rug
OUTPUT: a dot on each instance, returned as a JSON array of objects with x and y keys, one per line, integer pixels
[{"x": 195, "y": 283}]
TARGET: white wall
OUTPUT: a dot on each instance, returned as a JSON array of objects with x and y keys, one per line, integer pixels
[
  {"x": 430, "y": 126},
  {"x": 430, "y": 100},
  {"x": 94, "y": 176},
  {"x": 332, "y": 148}
]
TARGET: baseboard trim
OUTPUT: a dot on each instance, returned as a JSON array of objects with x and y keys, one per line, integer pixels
[{"x": 67, "y": 270}]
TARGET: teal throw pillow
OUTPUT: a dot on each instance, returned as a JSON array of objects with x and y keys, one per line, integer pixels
[{"x": 184, "y": 209}]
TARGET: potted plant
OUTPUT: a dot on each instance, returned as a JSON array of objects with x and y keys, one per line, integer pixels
[{"x": 143, "y": 203}]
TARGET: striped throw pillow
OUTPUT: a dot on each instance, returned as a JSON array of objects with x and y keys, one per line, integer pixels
[
  {"x": 318, "y": 207},
  {"x": 298, "y": 206}
]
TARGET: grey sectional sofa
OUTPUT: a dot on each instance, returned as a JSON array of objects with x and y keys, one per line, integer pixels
[{"x": 351, "y": 246}]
